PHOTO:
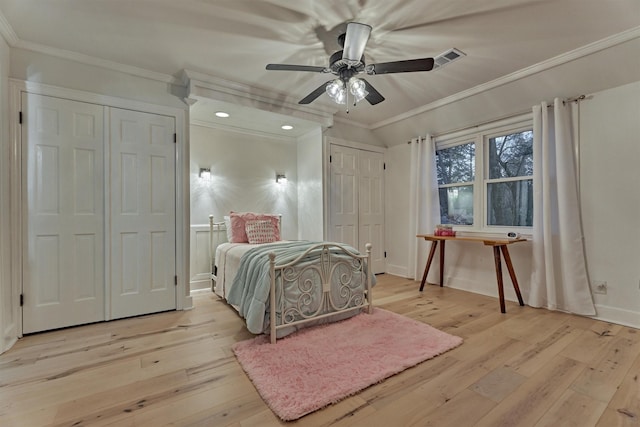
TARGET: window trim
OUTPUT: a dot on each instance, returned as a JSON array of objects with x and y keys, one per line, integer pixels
[{"x": 480, "y": 135}]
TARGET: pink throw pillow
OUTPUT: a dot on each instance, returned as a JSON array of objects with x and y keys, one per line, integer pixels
[
  {"x": 260, "y": 231},
  {"x": 238, "y": 222}
]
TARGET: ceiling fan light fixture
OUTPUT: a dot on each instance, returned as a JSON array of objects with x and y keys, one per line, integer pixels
[
  {"x": 336, "y": 91},
  {"x": 355, "y": 42},
  {"x": 357, "y": 88}
]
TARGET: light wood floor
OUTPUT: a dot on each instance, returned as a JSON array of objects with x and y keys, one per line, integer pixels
[{"x": 528, "y": 367}]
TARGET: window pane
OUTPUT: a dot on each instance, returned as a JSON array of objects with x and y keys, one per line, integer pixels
[
  {"x": 511, "y": 155},
  {"x": 456, "y": 164},
  {"x": 510, "y": 203},
  {"x": 456, "y": 205}
]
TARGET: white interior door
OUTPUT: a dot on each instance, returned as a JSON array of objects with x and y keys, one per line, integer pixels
[
  {"x": 371, "y": 207},
  {"x": 63, "y": 203},
  {"x": 142, "y": 228},
  {"x": 343, "y": 194}
]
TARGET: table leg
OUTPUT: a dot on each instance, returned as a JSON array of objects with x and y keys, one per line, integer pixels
[
  {"x": 496, "y": 257},
  {"x": 512, "y": 273},
  {"x": 441, "y": 263},
  {"x": 432, "y": 251}
]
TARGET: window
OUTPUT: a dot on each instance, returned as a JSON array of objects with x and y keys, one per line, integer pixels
[
  {"x": 485, "y": 180},
  {"x": 456, "y": 174}
]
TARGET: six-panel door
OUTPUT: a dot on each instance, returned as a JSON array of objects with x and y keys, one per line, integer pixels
[
  {"x": 63, "y": 201},
  {"x": 99, "y": 202}
]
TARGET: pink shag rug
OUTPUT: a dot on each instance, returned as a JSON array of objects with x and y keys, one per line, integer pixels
[{"x": 315, "y": 367}]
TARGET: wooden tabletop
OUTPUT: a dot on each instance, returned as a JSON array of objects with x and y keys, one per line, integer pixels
[{"x": 488, "y": 241}]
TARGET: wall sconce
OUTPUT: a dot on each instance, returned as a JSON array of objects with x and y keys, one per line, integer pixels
[
  {"x": 281, "y": 178},
  {"x": 205, "y": 174}
]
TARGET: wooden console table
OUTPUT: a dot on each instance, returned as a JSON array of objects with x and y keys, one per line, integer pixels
[{"x": 498, "y": 245}]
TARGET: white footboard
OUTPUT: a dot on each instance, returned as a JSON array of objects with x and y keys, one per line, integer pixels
[{"x": 339, "y": 282}]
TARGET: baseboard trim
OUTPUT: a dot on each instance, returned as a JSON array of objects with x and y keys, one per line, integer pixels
[
  {"x": 398, "y": 270},
  {"x": 618, "y": 316}
]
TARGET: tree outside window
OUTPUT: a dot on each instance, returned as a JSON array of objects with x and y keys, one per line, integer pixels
[
  {"x": 510, "y": 183},
  {"x": 456, "y": 173},
  {"x": 492, "y": 172}
]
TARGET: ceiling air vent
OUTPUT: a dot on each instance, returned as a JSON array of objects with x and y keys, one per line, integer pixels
[{"x": 447, "y": 57}]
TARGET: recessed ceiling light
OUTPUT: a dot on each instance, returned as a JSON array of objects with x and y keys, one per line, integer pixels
[
  {"x": 287, "y": 127},
  {"x": 222, "y": 114}
]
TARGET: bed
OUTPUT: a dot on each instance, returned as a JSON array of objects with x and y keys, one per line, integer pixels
[{"x": 280, "y": 286}]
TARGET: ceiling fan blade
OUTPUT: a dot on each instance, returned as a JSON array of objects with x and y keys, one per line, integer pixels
[
  {"x": 313, "y": 95},
  {"x": 355, "y": 42},
  {"x": 373, "y": 96},
  {"x": 410, "y": 65},
  {"x": 287, "y": 67}
]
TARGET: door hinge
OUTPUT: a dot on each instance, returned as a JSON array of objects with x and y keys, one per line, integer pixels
[
  {"x": 330, "y": 157},
  {"x": 21, "y": 300},
  {"x": 175, "y": 280},
  {"x": 20, "y": 117},
  {"x": 385, "y": 254},
  {"x": 175, "y": 138},
  {"x": 384, "y": 166}
]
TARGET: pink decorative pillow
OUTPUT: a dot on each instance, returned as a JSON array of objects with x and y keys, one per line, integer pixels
[
  {"x": 260, "y": 231},
  {"x": 238, "y": 225}
]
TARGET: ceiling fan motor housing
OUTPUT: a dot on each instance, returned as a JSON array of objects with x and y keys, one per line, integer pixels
[{"x": 338, "y": 65}]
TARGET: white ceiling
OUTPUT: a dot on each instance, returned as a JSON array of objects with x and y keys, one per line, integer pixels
[{"x": 234, "y": 39}]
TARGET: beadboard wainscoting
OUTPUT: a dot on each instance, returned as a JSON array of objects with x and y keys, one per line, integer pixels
[{"x": 200, "y": 256}]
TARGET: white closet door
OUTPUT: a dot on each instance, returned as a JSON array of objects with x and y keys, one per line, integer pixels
[
  {"x": 343, "y": 192},
  {"x": 63, "y": 202},
  {"x": 371, "y": 207},
  {"x": 143, "y": 260}
]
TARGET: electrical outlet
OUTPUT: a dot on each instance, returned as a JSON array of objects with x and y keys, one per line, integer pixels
[{"x": 599, "y": 287}]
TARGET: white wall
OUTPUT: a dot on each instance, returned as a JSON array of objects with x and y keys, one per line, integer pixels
[
  {"x": 243, "y": 178},
  {"x": 604, "y": 69},
  {"x": 609, "y": 174},
  {"x": 349, "y": 132},
  {"x": 610, "y": 198},
  {"x": 8, "y": 310},
  {"x": 310, "y": 191},
  {"x": 397, "y": 235},
  {"x": 41, "y": 68}
]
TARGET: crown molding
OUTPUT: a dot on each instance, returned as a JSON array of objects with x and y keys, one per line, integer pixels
[
  {"x": 98, "y": 62},
  {"x": 345, "y": 121},
  {"x": 242, "y": 130},
  {"x": 201, "y": 85},
  {"x": 7, "y": 31},
  {"x": 14, "y": 41},
  {"x": 561, "y": 59}
]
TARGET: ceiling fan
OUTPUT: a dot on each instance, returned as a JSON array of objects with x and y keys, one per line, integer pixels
[{"x": 348, "y": 63}]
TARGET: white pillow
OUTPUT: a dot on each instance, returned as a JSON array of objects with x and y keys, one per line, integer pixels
[{"x": 227, "y": 226}]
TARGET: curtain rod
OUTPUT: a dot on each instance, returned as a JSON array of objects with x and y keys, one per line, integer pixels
[
  {"x": 564, "y": 101},
  {"x": 420, "y": 139},
  {"x": 575, "y": 99}
]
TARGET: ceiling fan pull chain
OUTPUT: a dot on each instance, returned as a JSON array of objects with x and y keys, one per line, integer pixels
[{"x": 347, "y": 95}]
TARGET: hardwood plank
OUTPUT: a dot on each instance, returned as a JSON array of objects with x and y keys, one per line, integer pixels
[
  {"x": 624, "y": 407},
  {"x": 573, "y": 410},
  {"x": 456, "y": 410},
  {"x": 527, "y": 367},
  {"x": 602, "y": 379},
  {"x": 525, "y": 406},
  {"x": 498, "y": 384}
]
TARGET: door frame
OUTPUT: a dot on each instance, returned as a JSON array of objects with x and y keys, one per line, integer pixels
[{"x": 181, "y": 117}]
